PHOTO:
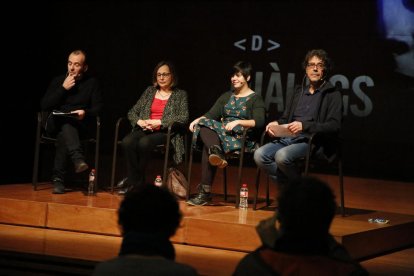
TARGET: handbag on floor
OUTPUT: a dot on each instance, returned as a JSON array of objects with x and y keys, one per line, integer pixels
[{"x": 177, "y": 183}]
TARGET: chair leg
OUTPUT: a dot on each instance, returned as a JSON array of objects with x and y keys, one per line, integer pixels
[
  {"x": 36, "y": 165},
  {"x": 225, "y": 183},
  {"x": 114, "y": 165},
  {"x": 257, "y": 189},
  {"x": 239, "y": 179},
  {"x": 97, "y": 146},
  {"x": 96, "y": 166},
  {"x": 36, "y": 154},
  {"x": 165, "y": 168},
  {"x": 341, "y": 187},
  {"x": 267, "y": 191},
  {"x": 190, "y": 163}
]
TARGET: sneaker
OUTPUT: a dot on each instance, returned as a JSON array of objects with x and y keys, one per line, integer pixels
[
  {"x": 216, "y": 157},
  {"x": 58, "y": 186},
  {"x": 204, "y": 196},
  {"x": 81, "y": 166}
]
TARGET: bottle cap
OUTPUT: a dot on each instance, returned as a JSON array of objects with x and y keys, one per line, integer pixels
[{"x": 244, "y": 185}]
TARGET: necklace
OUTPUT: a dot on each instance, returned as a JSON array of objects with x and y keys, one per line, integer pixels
[{"x": 163, "y": 97}]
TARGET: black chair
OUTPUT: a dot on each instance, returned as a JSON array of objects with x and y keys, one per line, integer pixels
[
  {"x": 43, "y": 139},
  {"x": 229, "y": 156},
  {"x": 162, "y": 148},
  {"x": 312, "y": 159}
]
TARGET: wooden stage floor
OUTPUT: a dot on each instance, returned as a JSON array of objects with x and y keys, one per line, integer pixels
[{"x": 210, "y": 238}]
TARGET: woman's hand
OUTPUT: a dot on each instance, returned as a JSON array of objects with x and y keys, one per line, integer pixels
[
  {"x": 153, "y": 124},
  {"x": 142, "y": 123},
  {"x": 193, "y": 124},
  {"x": 231, "y": 125}
]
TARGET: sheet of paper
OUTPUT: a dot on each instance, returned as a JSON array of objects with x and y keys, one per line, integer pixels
[
  {"x": 281, "y": 131},
  {"x": 66, "y": 114}
]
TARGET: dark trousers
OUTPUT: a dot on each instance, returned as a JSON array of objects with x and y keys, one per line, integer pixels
[
  {"x": 209, "y": 138},
  {"x": 68, "y": 132},
  {"x": 138, "y": 147}
]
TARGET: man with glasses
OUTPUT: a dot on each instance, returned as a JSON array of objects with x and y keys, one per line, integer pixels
[{"x": 313, "y": 108}]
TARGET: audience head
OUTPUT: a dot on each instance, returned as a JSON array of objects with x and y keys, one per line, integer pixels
[
  {"x": 168, "y": 74},
  {"x": 306, "y": 207},
  {"x": 150, "y": 210},
  {"x": 243, "y": 67}
]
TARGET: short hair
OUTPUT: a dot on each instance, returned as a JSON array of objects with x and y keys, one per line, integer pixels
[
  {"x": 243, "y": 67},
  {"x": 321, "y": 54},
  {"x": 149, "y": 209},
  {"x": 306, "y": 207},
  {"x": 174, "y": 76},
  {"x": 79, "y": 52}
]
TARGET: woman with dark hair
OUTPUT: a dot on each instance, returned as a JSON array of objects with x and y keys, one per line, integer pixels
[
  {"x": 221, "y": 128},
  {"x": 159, "y": 105}
]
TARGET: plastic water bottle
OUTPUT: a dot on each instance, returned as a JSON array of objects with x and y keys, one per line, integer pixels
[
  {"x": 158, "y": 181},
  {"x": 91, "y": 185},
  {"x": 244, "y": 196}
]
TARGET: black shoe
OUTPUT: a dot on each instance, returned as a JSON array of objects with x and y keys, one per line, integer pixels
[
  {"x": 123, "y": 183},
  {"x": 216, "y": 157},
  {"x": 81, "y": 166},
  {"x": 58, "y": 186},
  {"x": 125, "y": 190},
  {"x": 204, "y": 196}
]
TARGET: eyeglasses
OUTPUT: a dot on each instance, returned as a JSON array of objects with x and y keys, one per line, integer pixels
[
  {"x": 163, "y": 75},
  {"x": 318, "y": 65}
]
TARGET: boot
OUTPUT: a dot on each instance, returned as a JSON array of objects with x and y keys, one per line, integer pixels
[
  {"x": 204, "y": 196},
  {"x": 58, "y": 186},
  {"x": 216, "y": 157}
]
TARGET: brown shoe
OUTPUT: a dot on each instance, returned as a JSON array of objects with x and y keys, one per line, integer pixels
[
  {"x": 216, "y": 157},
  {"x": 81, "y": 166}
]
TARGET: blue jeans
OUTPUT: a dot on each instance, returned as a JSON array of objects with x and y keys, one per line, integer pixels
[{"x": 278, "y": 157}]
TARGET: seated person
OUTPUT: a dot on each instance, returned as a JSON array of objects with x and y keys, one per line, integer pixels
[
  {"x": 159, "y": 105},
  {"x": 315, "y": 108},
  {"x": 301, "y": 244},
  {"x": 221, "y": 128},
  {"x": 77, "y": 93},
  {"x": 148, "y": 216}
]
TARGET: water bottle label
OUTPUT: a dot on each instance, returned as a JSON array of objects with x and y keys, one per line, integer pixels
[
  {"x": 378, "y": 220},
  {"x": 244, "y": 194}
]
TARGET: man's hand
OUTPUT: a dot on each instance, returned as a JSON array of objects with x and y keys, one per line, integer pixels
[
  {"x": 81, "y": 113},
  {"x": 269, "y": 131},
  {"x": 69, "y": 82},
  {"x": 295, "y": 127}
]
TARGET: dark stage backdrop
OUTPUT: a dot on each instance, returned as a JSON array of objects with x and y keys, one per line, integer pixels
[{"x": 370, "y": 42}]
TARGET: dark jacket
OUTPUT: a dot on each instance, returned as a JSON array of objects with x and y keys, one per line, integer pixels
[{"x": 326, "y": 121}]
